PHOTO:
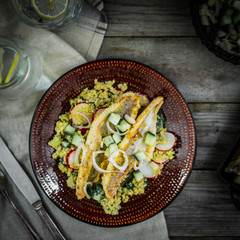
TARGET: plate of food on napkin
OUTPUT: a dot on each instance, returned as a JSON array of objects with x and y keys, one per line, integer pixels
[{"x": 112, "y": 142}]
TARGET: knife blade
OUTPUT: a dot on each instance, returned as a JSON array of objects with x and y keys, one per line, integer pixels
[
  {"x": 25, "y": 185},
  {"x": 17, "y": 174}
]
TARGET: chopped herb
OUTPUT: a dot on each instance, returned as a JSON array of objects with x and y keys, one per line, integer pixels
[
  {"x": 75, "y": 173},
  {"x": 146, "y": 181},
  {"x": 63, "y": 161},
  {"x": 160, "y": 120},
  {"x": 96, "y": 192},
  {"x": 127, "y": 183}
]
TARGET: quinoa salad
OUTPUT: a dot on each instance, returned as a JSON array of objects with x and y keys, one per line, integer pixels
[{"x": 110, "y": 143}]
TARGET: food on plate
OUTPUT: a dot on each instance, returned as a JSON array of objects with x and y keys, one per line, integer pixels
[
  {"x": 234, "y": 166},
  {"x": 111, "y": 142},
  {"x": 221, "y": 20}
]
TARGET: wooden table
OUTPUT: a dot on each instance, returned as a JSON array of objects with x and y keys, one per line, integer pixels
[{"x": 159, "y": 33}]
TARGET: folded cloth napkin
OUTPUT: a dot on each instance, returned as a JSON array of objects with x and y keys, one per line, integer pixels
[{"x": 60, "y": 51}]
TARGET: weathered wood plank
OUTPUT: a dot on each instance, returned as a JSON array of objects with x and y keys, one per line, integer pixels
[
  {"x": 217, "y": 126},
  {"x": 203, "y": 208},
  {"x": 197, "y": 73},
  {"x": 204, "y": 238},
  {"x": 149, "y": 18}
]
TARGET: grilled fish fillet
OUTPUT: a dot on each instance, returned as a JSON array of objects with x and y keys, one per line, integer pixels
[
  {"x": 132, "y": 143},
  {"x": 128, "y": 104}
]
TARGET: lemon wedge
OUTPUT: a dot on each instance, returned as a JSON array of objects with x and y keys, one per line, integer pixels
[
  {"x": 50, "y": 9},
  {"x": 12, "y": 68},
  {"x": 1, "y": 63}
]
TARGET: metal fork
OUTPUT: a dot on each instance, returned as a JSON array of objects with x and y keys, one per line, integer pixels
[{"x": 4, "y": 192}]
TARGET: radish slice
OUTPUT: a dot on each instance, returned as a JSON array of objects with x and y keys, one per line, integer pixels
[
  {"x": 146, "y": 170},
  {"x": 144, "y": 101},
  {"x": 76, "y": 158},
  {"x": 129, "y": 119},
  {"x": 95, "y": 165},
  {"x": 162, "y": 161},
  {"x": 115, "y": 132},
  {"x": 71, "y": 159},
  {"x": 167, "y": 146},
  {"x": 85, "y": 189},
  {"x": 88, "y": 121},
  {"x": 136, "y": 167},
  {"x": 83, "y": 130},
  {"x": 118, "y": 89},
  {"x": 97, "y": 112},
  {"x": 115, "y": 154},
  {"x": 85, "y": 117},
  {"x": 155, "y": 161}
]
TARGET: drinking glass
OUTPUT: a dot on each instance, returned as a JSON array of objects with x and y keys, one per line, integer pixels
[
  {"x": 49, "y": 14},
  {"x": 20, "y": 69}
]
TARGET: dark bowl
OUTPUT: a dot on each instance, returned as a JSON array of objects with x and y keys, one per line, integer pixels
[
  {"x": 227, "y": 177},
  {"x": 207, "y": 39}
]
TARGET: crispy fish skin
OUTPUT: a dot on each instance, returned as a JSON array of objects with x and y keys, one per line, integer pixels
[
  {"x": 94, "y": 139},
  {"x": 130, "y": 107},
  {"x": 111, "y": 181},
  {"x": 133, "y": 107}
]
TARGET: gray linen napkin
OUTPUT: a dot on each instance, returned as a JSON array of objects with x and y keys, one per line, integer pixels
[{"x": 60, "y": 51}]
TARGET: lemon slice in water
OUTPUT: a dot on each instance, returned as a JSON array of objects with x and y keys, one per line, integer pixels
[
  {"x": 12, "y": 68},
  {"x": 1, "y": 64},
  {"x": 50, "y": 9}
]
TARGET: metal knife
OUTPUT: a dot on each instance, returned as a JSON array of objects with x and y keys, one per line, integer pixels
[{"x": 24, "y": 184}]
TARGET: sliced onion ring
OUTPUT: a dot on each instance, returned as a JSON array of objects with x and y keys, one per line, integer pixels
[
  {"x": 113, "y": 155},
  {"x": 115, "y": 132},
  {"x": 85, "y": 189},
  {"x": 76, "y": 157},
  {"x": 88, "y": 120},
  {"x": 136, "y": 167},
  {"x": 129, "y": 119},
  {"x": 94, "y": 153},
  {"x": 84, "y": 151}
]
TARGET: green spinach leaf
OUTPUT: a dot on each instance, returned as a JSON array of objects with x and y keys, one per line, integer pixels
[{"x": 160, "y": 120}]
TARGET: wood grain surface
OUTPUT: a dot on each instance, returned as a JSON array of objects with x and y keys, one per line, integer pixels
[
  {"x": 203, "y": 208},
  {"x": 149, "y": 18},
  {"x": 217, "y": 126},
  {"x": 197, "y": 73},
  {"x": 159, "y": 33}
]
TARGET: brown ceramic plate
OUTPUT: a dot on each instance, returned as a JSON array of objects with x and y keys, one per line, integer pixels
[{"x": 160, "y": 192}]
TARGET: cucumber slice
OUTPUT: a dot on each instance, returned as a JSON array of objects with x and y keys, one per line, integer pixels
[
  {"x": 140, "y": 156},
  {"x": 114, "y": 118},
  {"x": 154, "y": 166},
  {"x": 65, "y": 144},
  {"x": 138, "y": 175},
  {"x": 108, "y": 140},
  {"x": 117, "y": 138},
  {"x": 150, "y": 139},
  {"x": 111, "y": 148},
  {"x": 123, "y": 125},
  {"x": 56, "y": 141},
  {"x": 76, "y": 140},
  {"x": 69, "y": 130}
]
